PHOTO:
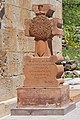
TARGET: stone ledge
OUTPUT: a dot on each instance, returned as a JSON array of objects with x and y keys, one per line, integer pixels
[
  {"x": 75, "y": 95},
  {"x": 5, "y": 106},
  {"x": 43, "y": 110}
]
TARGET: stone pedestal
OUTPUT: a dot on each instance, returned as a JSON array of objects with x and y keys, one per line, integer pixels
[
  {"x": 40, "y": 96},
  {"x": 42, "y": 93},
  {"x": 41, "y": 87}
]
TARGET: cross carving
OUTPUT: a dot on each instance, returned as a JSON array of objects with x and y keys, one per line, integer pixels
[{"x": 43, "y": 28}]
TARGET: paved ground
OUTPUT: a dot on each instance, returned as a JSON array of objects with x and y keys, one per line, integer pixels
[{"x": 73, "y": 115}]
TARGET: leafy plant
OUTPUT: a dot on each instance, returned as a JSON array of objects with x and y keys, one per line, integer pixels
[
  {"x": 71, "y": 53},
  {"x": 71, "y": 19},
  {"x": 72, "y": 36}
]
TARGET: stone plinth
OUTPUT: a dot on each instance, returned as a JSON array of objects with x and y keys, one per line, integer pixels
[
  {"x": 57, "y": 96},
  {"x": 41, "y": 87},
  {"x": 42, "y": 93},
  {"x": 50, "y": 110}
]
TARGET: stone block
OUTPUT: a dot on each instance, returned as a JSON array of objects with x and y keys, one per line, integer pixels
[
  {"x": 15, "y": 63},
  {"x": 17, "y": 81},
  {"x": 2, "y": 109},
  {"x": 27, "y": 23},
  {"x": 57, "y": 96},
  {"x": 16, "y": 12},
  {"x": 14, "y": 40},
  {"x": 25, "y": 3},
  {"x": 75, "y": 95},
  {"x": 40, "y": 72},
  {"x": 22, "y": 41},
  {"x": 9, "y": 85},
  {"x": 5, "y": 89},
  {"x": 9, "y": 40}
]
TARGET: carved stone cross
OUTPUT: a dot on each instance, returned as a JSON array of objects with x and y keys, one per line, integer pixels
[{"x": 43, "y": 28}]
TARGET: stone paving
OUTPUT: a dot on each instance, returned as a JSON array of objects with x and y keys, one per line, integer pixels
[{"x": 73, "y": 115}]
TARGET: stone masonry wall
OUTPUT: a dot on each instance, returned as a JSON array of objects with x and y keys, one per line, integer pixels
[{"x": 13, "y": 46}]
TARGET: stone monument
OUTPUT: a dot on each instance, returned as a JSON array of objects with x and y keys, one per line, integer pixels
[{"x": 43, "y": 92}]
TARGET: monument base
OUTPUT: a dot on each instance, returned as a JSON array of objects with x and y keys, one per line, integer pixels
[
  {"x": 42, "y": 110},
  {"x": 34, "y": 96}
]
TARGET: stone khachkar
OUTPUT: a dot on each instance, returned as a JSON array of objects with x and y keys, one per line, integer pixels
[{"x": 43, "y": 92}]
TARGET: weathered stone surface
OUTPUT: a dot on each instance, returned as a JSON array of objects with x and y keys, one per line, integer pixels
[
  {"x": 41, "y": 2},
  {"x": 60, "y": 71},
  {"x": 9, "y": 39},
  {"x": 27, "y": 23},
  {"x": 40, "y": 72},
  {"x": 40, "y": 28},
  {"x": 14, "y": 40},
  {"x": 0, "y": 40},
  {"x": 5, "y": 89},
  {"x": 75, "y": 91},
  {"x": 16, "y": 12},
  {"x": 17, "y": 81},
  {"x": 58, "y": 12},
  {"x": 9, "y": 104},
  {"x": 75, "y": 95},
  {"x": 43, "y": 29},
  {"x": 57, "y": 48},
  {"x": 57, "y": 26},
  {"x": 3, "y": 64},
  {"x": 13, "y": 45},
  {"x": 57, "y": 96},
  {"x": 15, "y": 63},
  {"x": 5, "y": 106},
  {"x": 43, "y": 8},
  {"x": 8, "y": 86},
  {"x": 2, "y": 109},
  {"x": 41, "y": 48}
]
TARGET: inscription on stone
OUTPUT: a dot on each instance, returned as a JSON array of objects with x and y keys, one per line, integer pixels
[{"x": 40, "y": 71}]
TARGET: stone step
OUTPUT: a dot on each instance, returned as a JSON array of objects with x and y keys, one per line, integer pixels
[{"x": 43, "y": 110}]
